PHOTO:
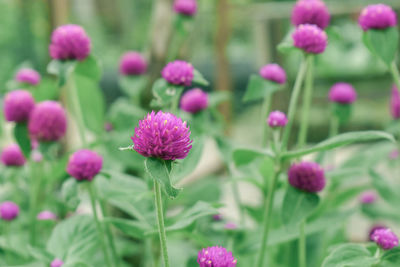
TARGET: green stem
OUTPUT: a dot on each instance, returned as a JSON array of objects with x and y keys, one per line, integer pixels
[
  {"x": 302, "y": 245},
  {"x": 238, "y": 202},
  {"x": 73, "y": 92},
  {"x": 36, "y": 180},
  {"x": 265, "y": 109},
  {"x": 160, "y": 221},
  {"x": 396, "y": 75},
  {"x": 334, "y": 127},
  {"x": 148, "y": 255}
]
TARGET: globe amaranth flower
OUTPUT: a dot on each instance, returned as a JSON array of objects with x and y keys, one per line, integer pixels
[
  {"x": 185, "y": 7},
  {"x": 377, "y": 16},
  {"x": 342, "y": 93},
  {"x": 178, "y": 72},
  {"x": 395, "y": 103},
  {"x": 277, "y": 119},
  {"x": 12, "y": 156},
  {"x": 194, "y": 100},
  {"x": 215, "y": 257},
  {"x": 84, "y": 164},
  {"x": 368, "y": 197},
  {"x": 311, "y": 12},
  {"x": 48, "y": 122},
  {"x": 108, "y": 126},
  {"x": 69, "y": 42},
  {"x": 162, "y": 135},
  {"x": 373, "y": 228},
  {"x": 9, "y": 210},
  {"x": 28, "y": 76},
  {"x": 307, "y": 176},
  {"x": 274, "y": 73},
  {"x": 394, "y": 154},
  {"x": 385, "y": 238},
  {"x": 18, "y": 105},
  {"x": 132, "y": 63},
  {"x": 46, "y": 215},
  {"x": 217, "y": 217},
  {"x": 230, "y": 226},
  {"x": 56, "y": 263},
  {"x": 310, "y": 39}
]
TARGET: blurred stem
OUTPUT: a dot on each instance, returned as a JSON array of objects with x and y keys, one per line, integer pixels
[
  {"x": 178, "y": 39},
  {"x": 160, "y": 221},
  {"x": 73, "y": 92},
  {"x": 302, "y": 245},
  {"x": 148, "y": 255},
  {"x": 265, "y": 109},
  {"x": 36, "y": 179},
  {"x": 334, "y": 127},
  {"x": 395, "y": 74}
]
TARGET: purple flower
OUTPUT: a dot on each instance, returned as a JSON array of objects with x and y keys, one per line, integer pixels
[
  {"x": 185, "y": 7},
  {"x": 372, "y": 230},
  {"x": 132, "y": 63},
  {"x": 9, "y": 211},
  {"x": 385, "y": 238},
  {"x": 18, "y": 105},
  {"x": 178, "y": 72},
  {"x": 274, "y": 73},
  {"x": 394, "y": 154},
  {"x": 342, "y": 93},
  {"x": 84, "y": 164},
  {"x": 12, "y": 156},
  {"x": 395, "y": 103},
  {"x": 230, "y": 226},
  {"x": 311, "y": 12},
  {"x": 36, "y": 156},
  {"x": 46, "y": 215},
  {"x": 277, "y": 119},
  {"x": 108, "y": 126},
  {"x": 307, "y": 176},
  {"x": 48, "y": 121},
  {"x": 29, "y": 76},
  {"x": 368, "y": 197},
  {"x": 215, "y": 257},
  {"x": 69, "y": 42},
  {"x": 217, "y": 217},
  {"x": 56, "y": 263},
  {"x": 310, "y": 39},
  {"x": 377, "y": 16},
  {"x": 194, "y": 100},
  {"x": 162, "y": 135}
]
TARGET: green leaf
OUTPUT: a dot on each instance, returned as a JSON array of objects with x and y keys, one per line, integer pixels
[
  {"x": 131, "y": 228},
  {"x": 286, "y": 45},
  {"x": 133, "y": 85},
  {"x": 342, "y": 112},
  {"x": 159, "y": 171},
  {"x": 382, "y": 43},
  {"x": 40, "y": 254},
  {"x": 391, "y": 258},
  {"x": 69, "y": 193},
  {"x": 244, "y": 156},
  {"x": 187, "y": 165},
  {"x": 259, "y": 88},
  {"x": 89, "y": 68},
  {"x": 165, "y": 93},
  {"x": 350, "y": 255},
  {"x": 21, "y": 135},
  {"x": 218, "y": 97},
  {"x": 386, "y": 191},
  {"x": 61, "y": 69},
  {"x": 199, "y": 79}
]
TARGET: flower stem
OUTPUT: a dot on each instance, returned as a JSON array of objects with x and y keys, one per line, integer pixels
[
  {"x": 160, "y": 221},
  {"x": 302, "y": 245},
  {"x": 73, "y": 92},
  {"x": 396, "y": 75},
  {"x": 36, "y": 180},
  {"x": 265, "y": 109},
  {"x": 334, "y": 127}
]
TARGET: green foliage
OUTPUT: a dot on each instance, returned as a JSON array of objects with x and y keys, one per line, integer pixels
[
  {"x": 350, "y": 255},
  {"x": 259, "y": 88},
  {"x": 383, "y": 43},
  {"x": 165, "y": 93},
  {"x": 21, "y": 135},
  {"x": 244, "y": 156}
]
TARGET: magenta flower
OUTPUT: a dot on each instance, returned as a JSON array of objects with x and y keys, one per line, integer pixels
[
  {"x": 132, "y": 63},
  {"x": 12, "y": 156},
  {"x": 277, "y": 119},
  {"x": 28, "y": 76},
  {"x": 307, "y": 176},
  {"x": 311, "y": 12},
  {"x": 394, "y": 154},
  {"x": 230, "y": 226},
  {"x": 215, "y": 257},
  {"x": 9, "y": 211},
  {"x": 185, "y": 7},
  {"x": 342, "y": 93},
  {"x": 69, "y": 42},
  {"x": 108, "y": 126},
  {"x": 372, "y": 230},
  {"x": 178, "y": 72},
  {"x": 274, "y": 73},
  {"x": 18, "y": 105},
  {"x": 48, "y": 121},
  {"x": 377, "y": 16},
  {"x": 310, "y": 39},
  {"x": 385, "y": 238},
  {"x": 162, "y": 135},
  {"x": 84, "y": 164},
  {"x": 194, "y": 100},
  {"x": 368, "y": 197},
  {"x": 46, "y": 215},
  {"x": 56, "y": 263},
  {"x": 217, "y": 217},
  {"x": 395, "y": 103}
]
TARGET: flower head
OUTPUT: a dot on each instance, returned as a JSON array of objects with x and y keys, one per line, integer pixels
[
  {"x": 132, "y": 63},
  {"x": 84, "y": 164},
  {"x": 46, "y": 215},
  {"x": 162, "y": 135},
  {"x": 108, "y": 126},
  {"x": 395, "y": 103},
  {"x": 310, "y": 39},
  {"x": 230, "y": 226},
  {"x": 56, "y": 263},
  {"x": 48, "y": 121},
  {"x": 9, "y": 211},
  {"x": 217, "y": 217},
  {"x": 311, "y": 12},
  {"x": 12, "y": 156},
  {"x": 178, "y": 72},
  {"x": 377, "y": 16},
  {"x": 373, "y": 228},
  {"x": 274, "y": 73},
  {"x": 18, "y": 105},
  {"x": 185, "y": 7},
  {"x": 29, "y": 76},
  {"x": 342, "y": 93},
  {"x": 368, "y": 197},
  {"x": 194, "y": 100},
  {"x": 215, "y": 257},
  {"x": 277, "y": 119},
  {"x": 69, "y": 42},
  {"x": 385, "y": 238},
  {"x": 394, "y": 154},
  {"x": 307, "y": 176}
]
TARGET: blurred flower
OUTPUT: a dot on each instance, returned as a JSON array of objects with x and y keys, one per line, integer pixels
[
  {"x": 185, "y": 7},
  {"x": 108, "y": 127},
  {"x": 46, "y": 215},
  {"x": 9, "y": 211},
  {"x": 215, "y": 257},
  {"x": 230, "y": 226},
  {"x": 385, "y": 238},
  {"x": 395, "y": 103},
  {"x": 132, "y": 63},
  {"x": 18, "y": 105},
  {"x": 29, "y": 76},
  {"x": 178, "y": 72},
  {"x": 274, "y": 73},
  {"x": 36, "y": 155},
  {"x": 377, "y": 16},
  {"x": 48, "y": 121},
  {"x": 12, "y": 156},
  {"x": 394, "y": 154},
  {"x": 307, "y": 176},
  {"x": 69, "y": 42},
  {"x": 194, "y": 100},
  {"x": 311, "y": 12},
  {"x": 217, "y": 217},
  {"x": 162, "y": 135},
  {"x": 310, "y": 39},
  {"x": 368, "y": 197},
  {"x": 373, "y": 228},
  {"x": 342, "y": 93},
  {"x": 56, "y": 263},
  {"x": 277, "y": 119},
  {"x": 84, "y": 164}
]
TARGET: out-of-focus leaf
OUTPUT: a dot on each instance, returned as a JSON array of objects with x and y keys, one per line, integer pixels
[
  {"x": 286, "y": 45},
  {"x": 386, "y": 191},
  {"x": 46, "y": 90},
  {"x": 89, "y": 68},
  {"x": 379, "y": 212},
  {"x": 133, "y": 85},
  {"x": 22, "y": 137},
  {"x": 123, "y": 115},
  {"x": 391, "y": 258},
  {"x": 259, "y": 88},
  {"x": 186, "y": 166},
  {"x": 165, "y": 93},
  {"x": 383, "y": 43},
  {"x": 217, "y": 97},
  {"x": 350, "y": 255},
  {"x": 40, "y": 254},
  {"x": 342, "y": 112},
  {"x": 243, "y": 156},
  {"x": 69, "y": 193},
  {"x": 199, "y": 79},
  {"x": 132, "y": 228},
  {"x": 207, "y": 189}
]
